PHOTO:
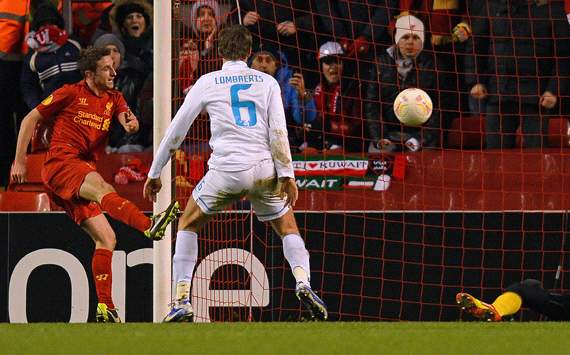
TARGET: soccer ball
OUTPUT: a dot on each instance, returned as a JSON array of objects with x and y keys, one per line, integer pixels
[{"x": 413, "y": 107}]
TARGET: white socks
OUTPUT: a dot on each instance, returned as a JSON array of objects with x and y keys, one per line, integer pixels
[
  {"x": 184, "y": 260},
  {"x": 182, "y": 290},
  {"x": 298, "y": 257},
  {"x": 186, "y": 255}
]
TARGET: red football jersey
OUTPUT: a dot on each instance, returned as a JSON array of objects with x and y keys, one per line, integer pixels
[{"x": 82, "y": 119}]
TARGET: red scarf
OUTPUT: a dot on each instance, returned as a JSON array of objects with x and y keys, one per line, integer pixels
[
  {"x": 327, "y": 100},
  {"x": 187, "y": 66},
  {"x": 47, "y": 38}
]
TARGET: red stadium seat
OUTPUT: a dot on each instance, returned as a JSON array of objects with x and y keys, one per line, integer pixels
[
  {"x": 41, "y": 137},
  {"x": 467, "y": 132},
  {"x": 34, "y": 181},
  {"x": 24, "y": 201},
  {"x": 559, "y": 132},
  {"x": 310, "y": 151}
]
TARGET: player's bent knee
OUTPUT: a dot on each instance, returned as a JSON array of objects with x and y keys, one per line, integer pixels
[
  {"x": 94, "y": 188},
  {"x": 519, "y": 287},
  {"x": 103, "y": 190},
  {"x": 106, "y": 188}
]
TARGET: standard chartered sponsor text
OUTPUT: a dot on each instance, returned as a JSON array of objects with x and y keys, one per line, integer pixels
[{"x": 88, "y": 119}]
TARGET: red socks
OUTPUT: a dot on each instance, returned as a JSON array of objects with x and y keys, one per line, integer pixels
[
  {"x": 101, "y": 267},
  {"x": 125, "y": 211}
]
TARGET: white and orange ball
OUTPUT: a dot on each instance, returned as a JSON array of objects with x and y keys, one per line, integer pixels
[{"x": 413, "y": 107}]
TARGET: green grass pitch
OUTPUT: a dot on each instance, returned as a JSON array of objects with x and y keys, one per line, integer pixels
[{"x": 460, "y": 338}]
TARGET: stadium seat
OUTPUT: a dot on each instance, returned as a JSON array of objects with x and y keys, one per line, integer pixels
[
  {"x": 309, "y": 151},
  {"x": 34, "y": 181},
  {"x": 333, "y": 152},
  {"x": 24, "y": 201},
  {"x": 41, "y": 137},
  {"x": 467, "y": 132},
  {"x": 559, "y": 132}
]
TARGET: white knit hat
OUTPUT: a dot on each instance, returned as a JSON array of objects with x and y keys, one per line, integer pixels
[
  {"x": 409, "y": 24},
  {"x": 212, "y": 4}
]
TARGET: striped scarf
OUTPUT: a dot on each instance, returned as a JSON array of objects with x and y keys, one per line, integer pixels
[{"x": 48, "y": 38}]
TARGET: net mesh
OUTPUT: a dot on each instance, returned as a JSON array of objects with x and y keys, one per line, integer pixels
[{"x": 393, "y": 233}]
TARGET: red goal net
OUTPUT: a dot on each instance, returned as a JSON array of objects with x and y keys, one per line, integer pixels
[{"x": 397, "y": 219}]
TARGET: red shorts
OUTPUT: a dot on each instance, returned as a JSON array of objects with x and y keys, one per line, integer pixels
[{"x": 63, "y": 174}]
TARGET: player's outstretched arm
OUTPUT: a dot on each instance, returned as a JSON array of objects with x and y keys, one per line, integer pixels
[
  {"x": 19, "y": 171},
  {"x": 174, "y": 136},
  {"x": 278, "y": 140}
]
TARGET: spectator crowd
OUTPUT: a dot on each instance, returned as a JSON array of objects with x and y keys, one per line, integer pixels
[{"x": 340, "y": 64}]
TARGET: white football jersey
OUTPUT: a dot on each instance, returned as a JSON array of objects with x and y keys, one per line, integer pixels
[{"x": 243, "y": 105}]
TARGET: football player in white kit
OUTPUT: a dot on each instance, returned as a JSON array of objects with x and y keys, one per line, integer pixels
[{"x": 250, "y": 157}]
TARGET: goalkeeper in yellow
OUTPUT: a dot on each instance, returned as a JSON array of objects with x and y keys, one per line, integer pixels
[
  {"x": 528, "y": 293},
  {"x": 250, "y": 158}
]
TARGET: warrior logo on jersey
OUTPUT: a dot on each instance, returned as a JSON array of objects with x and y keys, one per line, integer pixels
[{"x": 47, "y": 100}]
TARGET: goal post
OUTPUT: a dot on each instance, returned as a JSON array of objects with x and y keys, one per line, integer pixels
[{"x": 162, "y": 112}]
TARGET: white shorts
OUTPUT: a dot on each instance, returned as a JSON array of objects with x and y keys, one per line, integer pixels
[{"x": 259, "y": 184}]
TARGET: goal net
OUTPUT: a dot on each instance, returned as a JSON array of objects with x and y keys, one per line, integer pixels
[{"x": 397, "y": 219}]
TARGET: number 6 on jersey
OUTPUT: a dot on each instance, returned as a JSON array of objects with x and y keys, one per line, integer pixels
[{"x": 237, "y": 105}]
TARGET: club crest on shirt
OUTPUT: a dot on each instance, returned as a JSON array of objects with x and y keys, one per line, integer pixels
[
  {"x": 108, "y": 108},
  {"x": 47, "y": 100}
]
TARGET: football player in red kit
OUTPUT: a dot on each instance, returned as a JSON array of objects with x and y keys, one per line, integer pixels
[{"x": 82, "y": 114}]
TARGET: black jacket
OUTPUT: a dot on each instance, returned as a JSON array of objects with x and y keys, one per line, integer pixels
[
  {"x": 136, "y": 68},
  {"x": 264, "y": 32},
  {"x": 385, "y": 84},
  {"x": 352, "y": 19},
  {"x": 519, "y": 49},
  {"x": 134, "y": 75},
  {"x": 45, "y": 72}
]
